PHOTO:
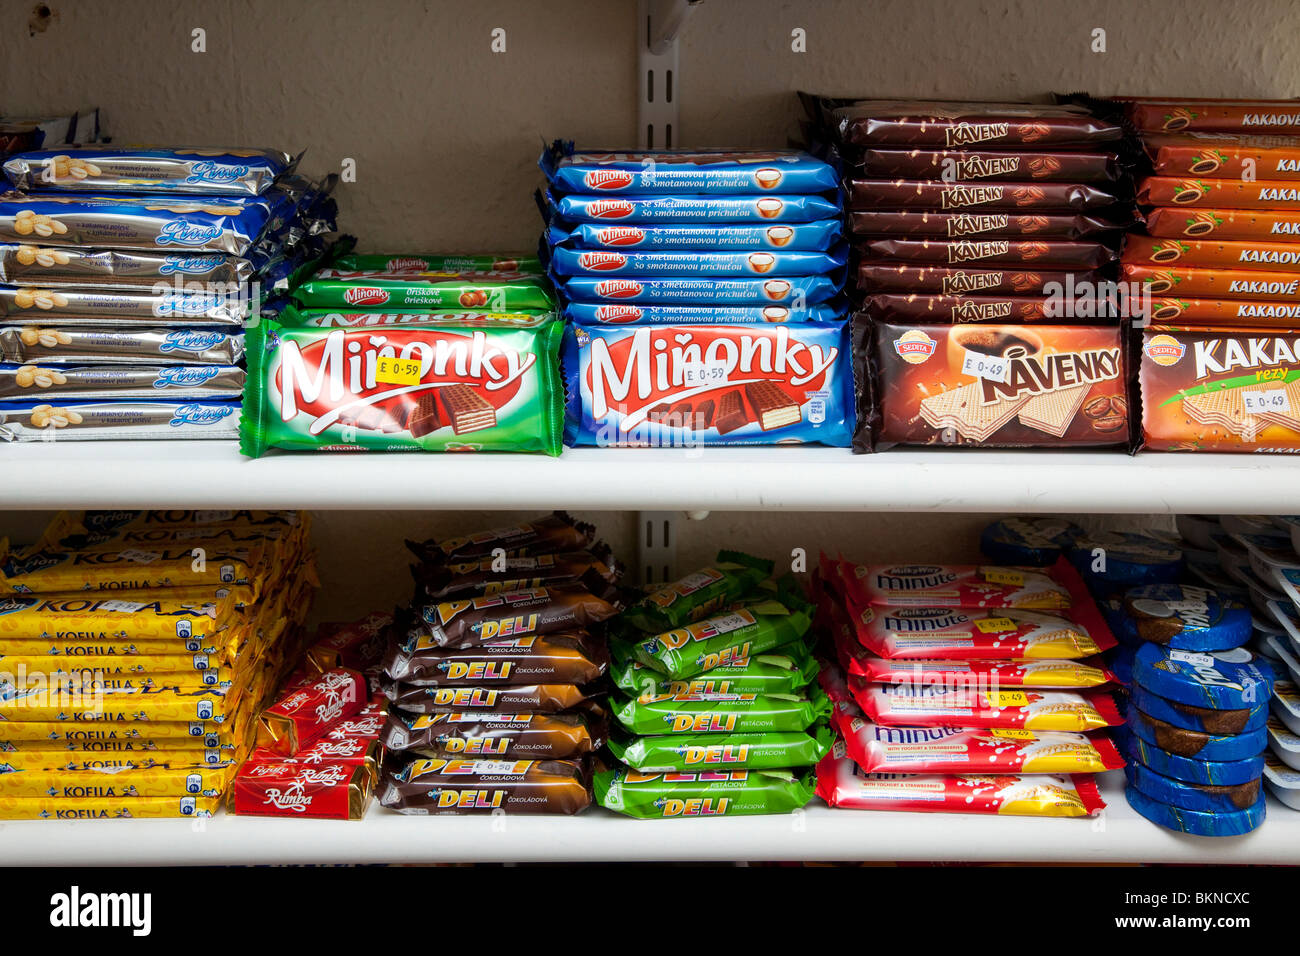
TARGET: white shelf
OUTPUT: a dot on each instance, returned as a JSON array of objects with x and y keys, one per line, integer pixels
[
  {"x": 597, "y": 835},
  {"x": 214, "y": 475}
]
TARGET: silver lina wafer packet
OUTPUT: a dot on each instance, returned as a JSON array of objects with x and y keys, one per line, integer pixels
[
  {"x": 117, "y": 421},
  {"x": 111, "y": 382},
  {"x": 77, "y": 305},
  {"x": 55, "y": 345},
  {"x": 236, "y": 172},
  {"x": 38, "y": 264}
]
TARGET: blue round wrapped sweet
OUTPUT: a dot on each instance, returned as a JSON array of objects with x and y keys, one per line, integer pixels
[
  {"x": 1232, "y": 823},
  {"x": 1183, "y": 616},
  {"x": 1200, "y": 719},
  {"x": 1127, "y": 559},
  {"x": 1036, "y": 542},
  {"x": 1224, "y": 773},
  {"x": 1192, "y": 743},
  {"x": 1203, "y": 798},
  {"x": 1234, "y": 679}
]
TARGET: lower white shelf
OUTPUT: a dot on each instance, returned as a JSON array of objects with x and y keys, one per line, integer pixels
[
  {"x": 809, "y": 478},
  {"x": 818, "y": 833}
]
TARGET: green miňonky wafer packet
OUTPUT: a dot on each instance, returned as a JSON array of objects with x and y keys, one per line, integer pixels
[
  {"x": 389, "y": 292},
  {"x": 693, "y": 752},
  {"x": 426, "y": 388},
  {"x": 720, "y": 713},
  {"x": 700, "y": 593},
  {"x": 351, "y": 318},
  {"x": 450, "y": 262},
  {"x": 783, "y": 670},
  {"x": 708, "y": 794},
  {"x": 723, "y": 639}
]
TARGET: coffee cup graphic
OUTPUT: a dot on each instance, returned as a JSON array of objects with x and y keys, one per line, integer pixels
[
  {"x": 1009, "y": 341},
  {"x": 767, "y": 177},
  {"x": 770, "y": 208},
  {"x": 762, "y": 261},
  {"x": 780, "y": 235},
  {"x": 776, "y": 289}
]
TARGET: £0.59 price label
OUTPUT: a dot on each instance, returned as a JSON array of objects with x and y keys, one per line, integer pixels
[
  {"x": 1258, "y": 401},
  {"x": 695, "y": 374},
  {"x": 995, "y": 368},
  {"x": 397, "y": 371}
]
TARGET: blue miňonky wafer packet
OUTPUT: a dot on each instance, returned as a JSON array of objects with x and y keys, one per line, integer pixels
[
  {"x": 672, "y": 171},
  {"x": 609, "y": 313},
  {"x": 690, "y": 209},
  {"x": 700, "y": 262},
  {"x": 702, "y": 290},
  {"x": 815, "y": 236}
]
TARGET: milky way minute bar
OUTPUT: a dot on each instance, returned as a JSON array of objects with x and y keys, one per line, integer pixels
[
  {"x": 444, "y": 388},
  {"x": 983, "y": 223},
  {"x": 987, "y": 385},
  {"x": 1234, "y": 389},
  {"x": 945, "y": 196},
  {"x": 1038, "y": 253},
  {"x": 969, "y": 125},
  {"x": 1014, "y": 165},
  {"x": 727, "y": 385}
]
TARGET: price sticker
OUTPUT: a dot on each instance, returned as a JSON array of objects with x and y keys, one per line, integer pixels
[
  {"x": 1012, "y": 734},
  {"x": 1189, "y": 657},
  {"x": 121, "y": 607},
  {"x": 139, "y": 556},
  {"x": 1007, "y": 698},
  {"x": 1260, "y": 401},
  {"x": 726, "y": 623},
  {"x": 392, "y": 370},
  {"x": 1004, "y": 576},
  {"x": 995, "y": 368},
  {"x": 695, "y": 374},
  {"x": 995, "y": 625}
]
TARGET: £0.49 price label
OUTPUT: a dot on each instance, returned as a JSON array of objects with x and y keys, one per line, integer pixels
[
  {"x": 1259, "y": 401},
  {"x": 1005, "y": 576},
  {"x": 995, "y": 368},
  {"x": 397, "y": 371},
  {"x": 995, "y": 625},
  {"x": 1007, "y": 698}
]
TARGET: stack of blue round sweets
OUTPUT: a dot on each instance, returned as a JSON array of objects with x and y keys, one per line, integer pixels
[{"x": 1197, "y": 710}]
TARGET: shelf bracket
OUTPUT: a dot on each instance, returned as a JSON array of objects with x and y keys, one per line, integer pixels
[
  {"x": 659, "y": 23},
  {"x": 656, "y": 549}
]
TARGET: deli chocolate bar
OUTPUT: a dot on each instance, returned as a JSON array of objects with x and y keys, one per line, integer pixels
[
  {"x": 740, "y": 385},
  {"x": 988, "y": 385}
]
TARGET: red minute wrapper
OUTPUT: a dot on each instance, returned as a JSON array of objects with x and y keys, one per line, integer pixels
[
  {"x": 307, "y": 712},
  {"x": 330, "y": 791}
]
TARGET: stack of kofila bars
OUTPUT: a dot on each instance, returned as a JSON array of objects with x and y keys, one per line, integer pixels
[
  {"x": 137, "y": 650},
  {"x": 493, "y": 672},
  {"x": 126, "y": 277}
]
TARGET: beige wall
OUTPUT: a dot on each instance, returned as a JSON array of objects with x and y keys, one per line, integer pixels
[{"x": 445, "y": 133}]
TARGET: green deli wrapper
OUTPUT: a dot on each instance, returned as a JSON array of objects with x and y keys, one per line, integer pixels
[
  {"x": 784, "y": 670},
  {"x": 445, "y": 388},
  {"x": 708, "y": 794},
  {"x": 720, "y": 713},
  {"x": 397, "y": 291},
  {"x": 700, "y": 593},
  {"x": 449, "y": 262},
  {"x": 694, "y": 752},
  {"x": 723, "y": 639}
]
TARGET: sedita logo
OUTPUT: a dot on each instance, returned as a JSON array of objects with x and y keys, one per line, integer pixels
[
  {"x": 609, "y": 209},
  {"x": 365, "y": 295},
  {"x": 602, "y": 261},
  {"x": 914, "y": 346},
  {"x": 1164, "y": 350},
  {"x": 620, "y": 236},
  {"x": 608, "y": 179},
  {"x": 618, "y": 288},
  {"x": 76, "y": 909},
  {"x": 619, "y": 314}
]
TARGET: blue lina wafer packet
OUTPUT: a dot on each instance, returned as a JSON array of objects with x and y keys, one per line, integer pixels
[
  {"x": 690, "y": 209},
  {"x": 1183, "y": 616},
  {"x": 1191, "y": 821},
  {"x": 1209, "y": 772},
  {"x": 1192, "y": 743},
  {"x": 700, "y": 262},
  {"x": 815, "y": 236},
  {"x": 1114, "y": 561},
  {"x": 608, "y": 313},
  {"x": 1203, "y": 798},
  {"x": 1234, "y": 679},
  {"x": 697, "y": 290},
  {"x": 682, "y": 385},
  {"x": 1201, "y": 719},
  {"x": 1037, "y": 542},
  {"x": 657, "y": 171}
]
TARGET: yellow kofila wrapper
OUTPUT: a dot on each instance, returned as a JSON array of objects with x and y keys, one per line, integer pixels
[
  {"x": 133, "y": 569},
  {"x": 144, "y": 760},
  {"x": 81, "y": 808},
  {"x": 118, "y": 784}
]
